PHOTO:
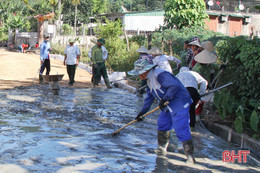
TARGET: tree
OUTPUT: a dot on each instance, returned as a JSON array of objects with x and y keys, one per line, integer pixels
[
  {"x": 53, "y": 4},
  {"x": 75, "y": 3},
  {"x": 184, "y": 13},
  {"x": 111, "y": 29},
  {"x": 116, "y": 47},
  {"x": 27, "y": 4},
  {"x": 86, "y": 9},
  {"x": 99, "y": 6},
  {"x": 17, "y": 22},
  {"x": 135, "y": 5}
]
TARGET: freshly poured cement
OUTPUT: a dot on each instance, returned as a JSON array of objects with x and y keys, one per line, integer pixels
[{"x": 71, "y": 132}]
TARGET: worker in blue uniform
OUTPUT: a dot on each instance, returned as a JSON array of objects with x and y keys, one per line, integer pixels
[{"x": 165, "y": 87}]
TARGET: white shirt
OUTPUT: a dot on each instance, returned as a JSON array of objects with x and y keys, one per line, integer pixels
[
  {"x": 192, "y": 79},
  {"x": 72, "y": 52},
  {"x": 162, "y": 62}
]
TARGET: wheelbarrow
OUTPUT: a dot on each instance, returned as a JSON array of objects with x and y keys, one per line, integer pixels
[{"x": 53, "y": 81}]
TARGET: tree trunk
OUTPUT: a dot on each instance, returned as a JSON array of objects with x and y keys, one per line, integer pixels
[
  {"x": 59, "y": 17},
  {"x": 127, "y": 42},
  {"x": 40, "y": 32},
  {"x": 149, "y": 41},
  {"x": 162, "y": 41},
  {"x": 170, "y": 47},
  {"x": 75, "y": 22}
]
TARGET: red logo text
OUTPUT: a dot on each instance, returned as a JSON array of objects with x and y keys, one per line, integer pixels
[{"x": 241, "y": 156}]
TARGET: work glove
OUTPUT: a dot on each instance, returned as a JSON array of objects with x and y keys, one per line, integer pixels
[
  {"x": 139, "y": 117},
  {"x": 161, "y": 104}
]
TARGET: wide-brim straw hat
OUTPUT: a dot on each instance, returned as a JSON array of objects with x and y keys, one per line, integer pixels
[
  {"x": 71, "y": 40},
  {"x": 46, "y": 36},
  {"x": 207, "y": 45},
  {"x": 205, "y": 57},
  {"x": 141, "y": 66},
  {"x": 155, "y": 51},
  {"x": 142, "y": 50},
  {"x": 195, "y": 43}
]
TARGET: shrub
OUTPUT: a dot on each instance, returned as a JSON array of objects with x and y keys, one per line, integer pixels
[
  {"x": 140, "y": 40},
  {"x": 67, "y": 29},
  {"x": 178, "y": 37},
  {"x": 58, "y": 48},
  {"x": 240, "y": 101}
]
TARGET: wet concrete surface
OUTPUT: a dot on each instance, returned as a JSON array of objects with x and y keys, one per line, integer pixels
[{"x": 72, "y": 132}]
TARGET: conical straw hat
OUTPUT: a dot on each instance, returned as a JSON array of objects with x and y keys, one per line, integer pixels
[
  {"x": 205, "y": 57},
  {"x": 155, "y": 51},
  {"x": 207, "y": 45},
  {"x": 142, "y": 50}
]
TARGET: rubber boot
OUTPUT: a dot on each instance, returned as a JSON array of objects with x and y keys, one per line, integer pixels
[
  {"x": 40, "y": 79},
  {"x": 109, "y": 86},
  {"x": 189, "y": 150},
  {"x": 163, "y": 142}
]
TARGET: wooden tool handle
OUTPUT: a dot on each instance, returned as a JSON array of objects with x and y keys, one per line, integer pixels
[{"x": 155, "y": 109}]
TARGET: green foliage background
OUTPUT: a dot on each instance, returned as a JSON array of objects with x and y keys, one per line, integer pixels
[
  {"x": 240, "y": 102},
  {"x": 183, "y": 13},
  {"x": 118, "y": 57}
]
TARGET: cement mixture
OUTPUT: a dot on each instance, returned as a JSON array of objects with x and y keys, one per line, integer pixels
[{"x": 71, "y": 132}]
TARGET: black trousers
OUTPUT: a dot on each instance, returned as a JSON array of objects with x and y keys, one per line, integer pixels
[
  {"x": 71, "y": 69},
  {"x": 93, "y": 76},
  {"x": 99, "y": 69},
  {"x": 195, "y": 97},
  {"x": 46, "y": 64}
]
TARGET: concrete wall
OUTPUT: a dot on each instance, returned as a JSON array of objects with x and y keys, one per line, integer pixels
[
  {"x": 26, "y": 37},
  {"x": 254, "y": 25},
  {"x": 31, "y": 38},
  {"x": 84, "y": 40},
  {"x": 232, "y": 24},
  {"x": 143, "y": 23}
]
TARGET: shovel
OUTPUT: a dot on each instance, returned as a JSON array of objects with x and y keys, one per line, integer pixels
[
  {"x": 37, "y": 72},
  {"x": 214, "y": 90},
  {"x": 155, "y": 109}
]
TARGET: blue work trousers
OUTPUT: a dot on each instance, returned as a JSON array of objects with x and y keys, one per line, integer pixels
[{"x": 179, "y": 121}]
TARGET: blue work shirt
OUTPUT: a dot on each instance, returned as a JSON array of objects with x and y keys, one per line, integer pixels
[
  {"x": 45, "y": 50},
  {"x": 164, "y": 85}
]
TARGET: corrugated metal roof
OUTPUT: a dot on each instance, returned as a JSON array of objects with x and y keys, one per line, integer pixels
[
  {"x": 148, "y": 13},
  {"x": 213, "y": 14},
  {"x": 236, "y": 15}
]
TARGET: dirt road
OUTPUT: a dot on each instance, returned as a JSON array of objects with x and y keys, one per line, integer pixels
[{"x": 19, "y": 69}]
